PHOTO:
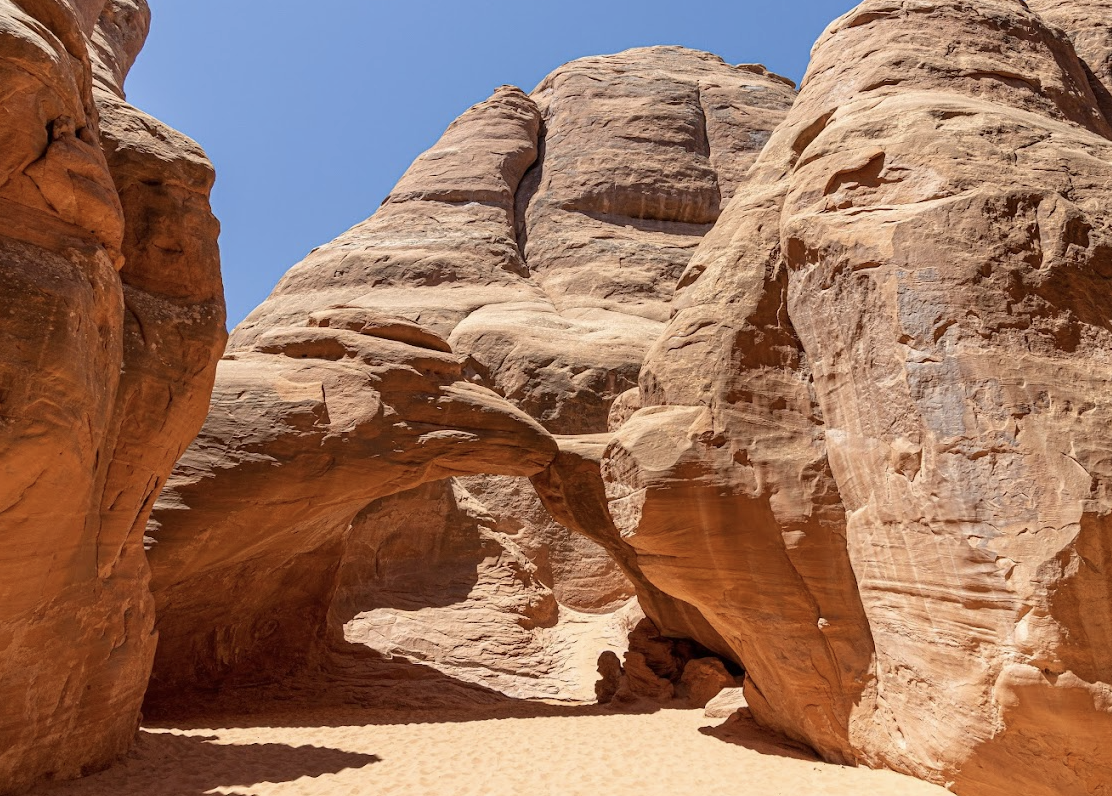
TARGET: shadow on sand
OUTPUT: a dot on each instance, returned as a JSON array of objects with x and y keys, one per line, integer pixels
[
  {"x": 742, "y": 730},
  {"x": 162, "y": 764},
  {"x": 353, "y": 690},
  {"x": 361, "y": 688},
  {"x": 350, "y": 685}
]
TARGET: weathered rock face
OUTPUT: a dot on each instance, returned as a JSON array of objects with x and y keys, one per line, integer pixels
[
  {"x": 572, "y": 489},
  {"x": 308, "y": 425},
  {"x": 113, "y": 314},
  {"x": 951, "y": 270},
  {"x": 430, "y": 574},
  {"x": 874, "y": 422},
  {"x": 1086, "y": 23},
  {"x": 704, "y": 679},
  {"x": 636, "y": 156},
  {"x": 524, "y": 239},
  {"x": 640, "y": 151},
  {"x": 867, "y": 455},
  {"x": 324, "y": 406},
  {"x": 660, "y": 669}
]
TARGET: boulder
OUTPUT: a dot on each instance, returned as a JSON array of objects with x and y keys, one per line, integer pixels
[
  {"x": 645, "y": 683},
  {"x": 728, "y": 702},
  {"x": 702, "y": 681}
]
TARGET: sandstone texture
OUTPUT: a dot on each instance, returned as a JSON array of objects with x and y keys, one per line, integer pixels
[
  {"x": 656, "y": 381},
  {"x": 534, "y": 250},
  {"x": 874, "y": 422},
  {"x": 1086, "y": 23},
  {"x": 728, "y": 702},
  {"x": 113, "y": 315},
  {"x": 703, "y": 679},
  {"x": 429, "y": 575},
  {"x": 658, "y": 669},
  {"x": 308, "y": 425}
]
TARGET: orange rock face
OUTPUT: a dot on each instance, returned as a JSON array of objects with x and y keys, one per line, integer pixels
[
  {"x": 326, "y": 402},
  {"x": 114, "y": 316},
  {"x": 601, "y": 263},
  {"x": 822, "y": 378},
  {"x": 951, "y": 270},
  {"x": 1086, "y": 23},
  {"x": 308, "y": 425},
  {"x": 874, "y": 421},
  {"x": 522, "y": 243}
]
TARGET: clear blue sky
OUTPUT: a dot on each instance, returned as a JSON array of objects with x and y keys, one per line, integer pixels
[{"x": 312, "y": 110}]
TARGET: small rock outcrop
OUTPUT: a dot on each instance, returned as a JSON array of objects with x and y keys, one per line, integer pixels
[
  {"x": 113, "y": 316},
  {"x": 703, "y": 679},
  {"x": 660, "y": 669},
  {"x": 728, "y": 702}
]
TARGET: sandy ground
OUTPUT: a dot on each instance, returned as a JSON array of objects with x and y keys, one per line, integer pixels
[{"x": 531, "y": 748}]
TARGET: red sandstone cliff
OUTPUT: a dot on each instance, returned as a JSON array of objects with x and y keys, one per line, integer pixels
[
  {"x": 113, "y": 318},
  {"x": 827, "y": 376}
]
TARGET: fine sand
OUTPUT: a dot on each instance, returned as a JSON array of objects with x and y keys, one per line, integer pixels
[{"x": 531, "y": 749}]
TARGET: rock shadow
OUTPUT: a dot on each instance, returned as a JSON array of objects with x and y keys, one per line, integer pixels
[
  {"x": 741, "y": 729},
  {"x": 413, "y": 550},
  {"x": 358, "y": 687},
  {"x": 195, "y": 765}
]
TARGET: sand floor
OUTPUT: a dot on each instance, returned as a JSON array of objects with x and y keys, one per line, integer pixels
[{"x": 531, "y": 748}]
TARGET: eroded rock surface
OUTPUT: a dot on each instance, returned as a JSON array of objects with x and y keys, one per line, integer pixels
[
  {"x": 114, "y": 317},
  {"x": 1086, "y": 23},
  {"x": 874, "y": 421},
  {"x": 836, "y": 410},
  {"x": 308, "y": 425},
  {"x": 660, "y": 669},
  {"x": 525, "y": 240},
  {"x": 970, "y": 315},
  {"x": 430, "y": 575}
]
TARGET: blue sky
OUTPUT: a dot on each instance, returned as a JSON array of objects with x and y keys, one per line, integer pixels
[{"x": 311, "y": 111}]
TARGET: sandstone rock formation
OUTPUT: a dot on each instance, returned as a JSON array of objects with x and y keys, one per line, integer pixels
[
  {"x": 678, "y": 126},
  {"x": 1086, "y": 23},
  {"x": 659, "y": 669},
  {"x": 826, "y": 386},
  {"x": 308, "y": 425},
  {"x": 874, "y": 422},
  {"x": 728, "y": 702},
  {"x": 971, "y": 319},
  {"x": 703, "y": 679},
  {"x": 542, "y": 246},
  {"x": 113, "y": 314},
  {"x": 430, "y": 575}
]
